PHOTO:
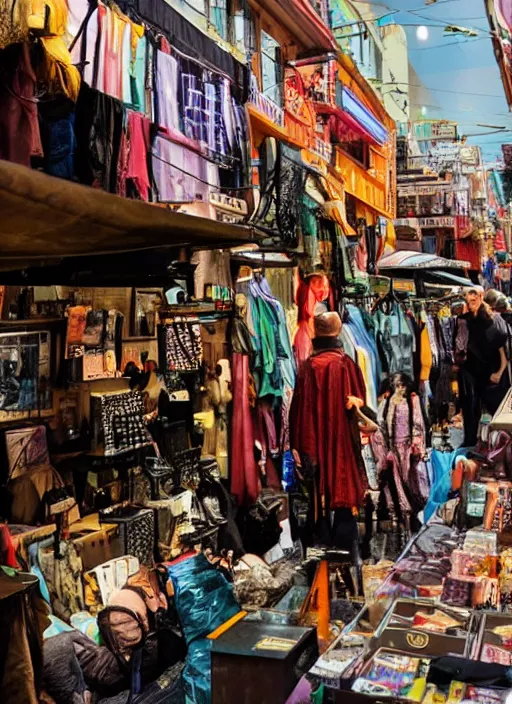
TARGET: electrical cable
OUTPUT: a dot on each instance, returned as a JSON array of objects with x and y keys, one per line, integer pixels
[
  {"x": 439, "y": 90},
  {"x": 443, "y": 46},
  {"x": 414, "y": 12},
  {"x": 198, "y": 178}
]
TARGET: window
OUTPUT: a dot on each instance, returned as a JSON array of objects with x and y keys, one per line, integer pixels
[
  {"x": 271, "y": 68},
  {"x": 406, "y": 206},
  {"x": 350, "y": 209},
  {"x": 358, "y": 150},
  {"x": 218, "y": 17},
  {"x": 242, "y": 27},
  {"x": 232, "y": 21}
]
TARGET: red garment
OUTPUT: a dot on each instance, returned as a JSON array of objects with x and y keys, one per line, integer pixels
[
  {"x": 165, "y": 46},
  {"x": 133, "y": 154},
  {"x": 468, "y": 250},
  {"x": 139, "y": 126},
  {"x": 264, "y": 429},
  {"x": 245, "y": 484},
  {"x": 315, "y": 290},
  {"x": 19, "y": 126},
  {"x": 7, "y": 552},
  {"x": 320, "y": 427}
]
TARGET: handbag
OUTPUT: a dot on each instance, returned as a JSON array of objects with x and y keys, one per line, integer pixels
[{"x": 136, "y": 529}]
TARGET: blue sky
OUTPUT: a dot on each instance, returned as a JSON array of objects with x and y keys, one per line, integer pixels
[{"x": 462, "y": 74}]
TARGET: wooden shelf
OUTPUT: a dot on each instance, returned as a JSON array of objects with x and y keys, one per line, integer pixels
[{"x": 31, "y": 321}]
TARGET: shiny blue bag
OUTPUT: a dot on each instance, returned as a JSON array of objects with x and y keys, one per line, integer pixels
[{"x": 204, "y": 601}]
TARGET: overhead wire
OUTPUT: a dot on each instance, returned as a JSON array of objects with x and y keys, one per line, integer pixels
[
  {"x": 439, "y": 90},
  {"x": 198, "y": 178},
  {"x": 443, "y": 46}
]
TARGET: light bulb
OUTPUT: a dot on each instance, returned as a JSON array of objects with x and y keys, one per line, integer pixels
[{"x": 422, "y": 33}]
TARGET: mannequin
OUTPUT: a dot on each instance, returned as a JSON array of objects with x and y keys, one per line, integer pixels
[
  {"x": 398, "y": 446},
  {"x": 321, "y": 434},
  {"x": 482, "y": 336},
  {"x": 218, "y": 396}
]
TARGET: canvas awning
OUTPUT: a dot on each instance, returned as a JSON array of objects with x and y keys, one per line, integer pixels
[
  {"x": 446, "y": 277},
  {"x": 44, "y": 220},
  {"x": 417, "y": 261}
]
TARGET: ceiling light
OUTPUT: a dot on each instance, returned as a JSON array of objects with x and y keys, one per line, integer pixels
[{"x": 422, "y": 33}]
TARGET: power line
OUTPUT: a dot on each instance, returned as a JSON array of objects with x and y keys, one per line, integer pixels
[
  {"x": 415, "y": 12},
  {"x": 443, "y": 46},
  {"x": 198, "y": 178},
  {"x": 440, "y": 90}
]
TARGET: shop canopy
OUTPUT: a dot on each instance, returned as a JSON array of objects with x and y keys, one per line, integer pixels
[
  {"x": 447, "y": 278},
  {"x": 45, "y": 220},
  {"x": 416, "y": 261}
]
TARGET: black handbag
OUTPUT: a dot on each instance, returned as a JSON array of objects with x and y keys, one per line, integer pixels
[{"x": 136, "y": 529}]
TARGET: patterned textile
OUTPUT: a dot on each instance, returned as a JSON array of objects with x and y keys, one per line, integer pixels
[
  {"x": 183, "y": 346},
  {"x": 123, "y": 424},
  {"x": 194, "y": 114},
  {"x": 137, "y": 536}
]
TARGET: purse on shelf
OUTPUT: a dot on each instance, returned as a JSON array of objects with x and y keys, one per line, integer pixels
[{"x": 136, "y": 529}]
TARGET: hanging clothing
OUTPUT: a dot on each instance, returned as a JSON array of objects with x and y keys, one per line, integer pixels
[
  {"x": 19, "y": 128},
  {"x": 320, "y": 427},
  {"x": 133, "y": 167},
  {"x": 396, "y": 340},
  {"x": 99, "y": 123},
  {"x": 286, "y": 361},
  {"x": 182, "y": 175},
  {"x": 245, "y": 483},
  {"x": 166, "y": 83}
]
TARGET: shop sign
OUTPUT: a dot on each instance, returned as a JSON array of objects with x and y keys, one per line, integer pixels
[
  {"x": 227, "y": 208},
  {"x": 381, "y": 287},
  {"x": 437, "y": 222},
  {"x": 470, "y": 155},
  {"x": 443, "y": 130},
  {"x": 427, "y": 190},
  {"x": 406, "y": 222},
  {"x": 402, "y": 154}
]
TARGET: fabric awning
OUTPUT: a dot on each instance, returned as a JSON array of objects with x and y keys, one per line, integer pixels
[
  {"x": 418, "y": 261},
  {"x": 364, "y": 119},
  {"x": 44, "y": 219},
  {"x": 445, "y": 277}
]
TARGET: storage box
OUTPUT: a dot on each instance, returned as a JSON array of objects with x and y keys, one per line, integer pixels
[
  {"x": 95, "y": 543},
  {"x": 424, "y": 642},
  {"x": 488, "y": 621},
  {"x": 260, "y": 663},
  {"x": 346, "y": 696}
]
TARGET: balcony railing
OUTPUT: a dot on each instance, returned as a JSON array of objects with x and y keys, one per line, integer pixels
[
  {"x": 322, "y": 148},
  {"x": 266, "y": 106}
]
